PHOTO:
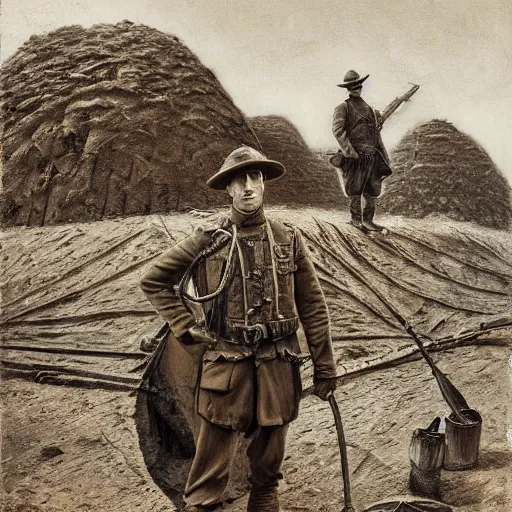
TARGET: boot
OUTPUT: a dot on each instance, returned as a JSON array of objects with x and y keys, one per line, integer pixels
[
  {"x": 368, "y": 214},
  {"x": 263, "y": 499},
  {"x": 355, "y": 212}
]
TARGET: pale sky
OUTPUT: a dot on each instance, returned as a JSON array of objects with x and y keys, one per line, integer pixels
[{"x": 286, "y": 57}]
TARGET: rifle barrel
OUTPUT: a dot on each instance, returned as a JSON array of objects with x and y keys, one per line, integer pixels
[{"x": 393, "y": 106}]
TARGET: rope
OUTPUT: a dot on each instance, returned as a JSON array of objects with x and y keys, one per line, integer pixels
[
  {"x": 272, "y": 244},
  {"x": 244, "y": 281},
  {"x": 214, "y": 247}
]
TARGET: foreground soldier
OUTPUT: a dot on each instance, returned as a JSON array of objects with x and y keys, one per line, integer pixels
[
  {"x": 256, "y": 280},
  {"x": 364, "y": 160}
]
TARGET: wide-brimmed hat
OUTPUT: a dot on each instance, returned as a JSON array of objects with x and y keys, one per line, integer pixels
[
  {"x": 352, "y": 79},
  {"x": 243, "y": 159}
]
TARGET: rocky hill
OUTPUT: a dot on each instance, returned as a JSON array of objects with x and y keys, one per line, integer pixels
[
  {"x": 111, "y": 120},
  {"x": 309, "y": 181},
  {"x": 439, "y": 170}
]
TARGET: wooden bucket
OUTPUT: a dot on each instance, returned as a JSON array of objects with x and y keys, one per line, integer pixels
[{"x": 462, "y": 441}]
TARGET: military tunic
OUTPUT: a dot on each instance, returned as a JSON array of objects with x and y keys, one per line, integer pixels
[
  {"x": 243, "y": 386},
  {"x": 355, "y": 126}
]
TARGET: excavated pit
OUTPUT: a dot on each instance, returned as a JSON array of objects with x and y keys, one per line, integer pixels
[{"x": 452, "y": 281}]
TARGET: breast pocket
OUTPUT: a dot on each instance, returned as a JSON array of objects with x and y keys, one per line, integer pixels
[{"x": 285, "y": 263}]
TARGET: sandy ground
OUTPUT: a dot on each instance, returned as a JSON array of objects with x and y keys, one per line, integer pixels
[
  {"x": 70, "y": 449},
  {"x": 66, "y": 448}
]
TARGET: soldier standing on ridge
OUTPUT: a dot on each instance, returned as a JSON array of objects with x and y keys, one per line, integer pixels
[
  {"x": 364, "y": 160},
  {"x": 255, "y": 280}
]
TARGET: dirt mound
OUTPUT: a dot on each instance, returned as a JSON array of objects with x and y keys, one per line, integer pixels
[
  {"x": 73, "y": 315},
  {"x": 111, "y": 120},
  {"x": 439, "y": 170},
  {"x": 309, "y": 180}
]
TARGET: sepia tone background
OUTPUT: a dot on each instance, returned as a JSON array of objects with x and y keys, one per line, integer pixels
[
  {"x": 286, "y": 57},
  {"x": 74, "y": 435}
]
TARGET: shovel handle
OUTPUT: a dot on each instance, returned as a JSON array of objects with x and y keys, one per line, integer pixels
[{"x": 347, "y": 498}]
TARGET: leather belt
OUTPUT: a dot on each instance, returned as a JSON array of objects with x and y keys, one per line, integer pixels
[
  {"x": 254, "y": 334},
  {"x": 248, "y": 335}
]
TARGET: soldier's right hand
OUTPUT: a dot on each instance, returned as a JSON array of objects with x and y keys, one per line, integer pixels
[{"x": 324, "y": 387}]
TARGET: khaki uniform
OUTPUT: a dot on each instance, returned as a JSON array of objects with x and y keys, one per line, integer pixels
[
  {"x": 247, "y": 387},
  {"x": 355, "y": 126}
]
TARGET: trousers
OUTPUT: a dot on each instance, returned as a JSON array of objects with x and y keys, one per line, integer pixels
[
  {"x": 365, "y": 176},
  {"x": 215, "y": 447}
]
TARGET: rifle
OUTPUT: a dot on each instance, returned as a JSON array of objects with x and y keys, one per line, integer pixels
[{"x": 393, "y": 106}]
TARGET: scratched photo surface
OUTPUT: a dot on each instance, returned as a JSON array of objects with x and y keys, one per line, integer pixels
[{"x": 113, "y": 119}]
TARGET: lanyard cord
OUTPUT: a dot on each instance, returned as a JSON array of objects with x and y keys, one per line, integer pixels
[
  {"x": 202, "y": 256},
  {"x": 363, "y": 116},
  {"x": 223, "y": 282},
  {"x": 244, "y": 281},
  {"x": 272, "y": 244}
]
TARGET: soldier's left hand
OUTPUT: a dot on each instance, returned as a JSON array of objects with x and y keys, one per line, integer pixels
[
  {"x": 322, "y": 388},
  {"x": 197, "y": 335}
]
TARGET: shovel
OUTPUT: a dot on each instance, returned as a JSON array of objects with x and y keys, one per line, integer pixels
[
  {"x": 408, "y": 504},
  {"x": 452, "y": 396},
  {"x": 347, "y": 498}
]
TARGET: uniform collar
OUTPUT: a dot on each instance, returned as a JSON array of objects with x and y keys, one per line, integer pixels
[{"x": 243, "y": 220}]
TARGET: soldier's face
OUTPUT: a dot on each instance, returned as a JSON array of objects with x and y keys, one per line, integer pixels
[
  {"x": 246, "y": 190},
  {"x": 355, "y": 92}
]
